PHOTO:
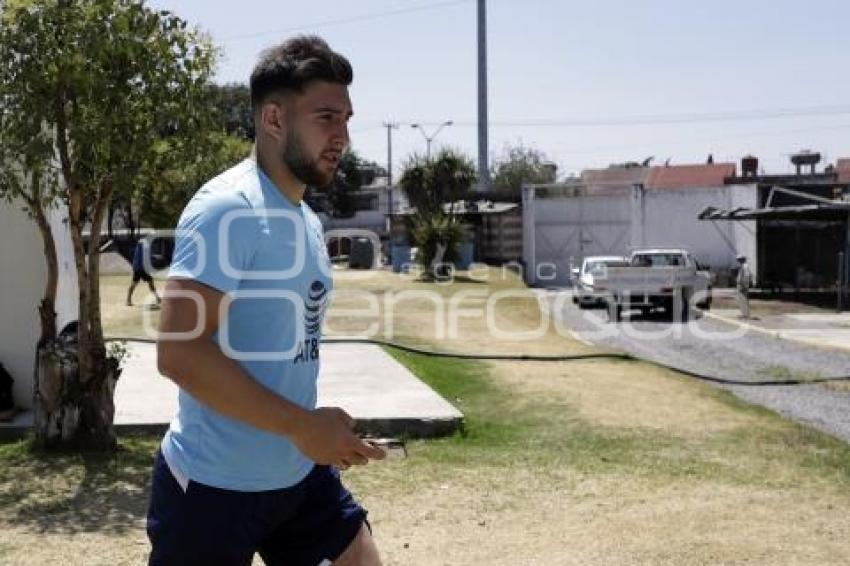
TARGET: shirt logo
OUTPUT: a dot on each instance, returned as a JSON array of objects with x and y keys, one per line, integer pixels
[
  {"x": 314, "y": 311},
  {"x": 314, "y": 307}
]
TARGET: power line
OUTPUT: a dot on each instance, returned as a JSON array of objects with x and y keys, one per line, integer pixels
[
  {"x": 704, "y": 141},
  {"x": 345, "y": 21},
  {"x": 661, "y": 119}
]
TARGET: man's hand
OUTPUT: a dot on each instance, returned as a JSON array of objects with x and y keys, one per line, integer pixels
[{"x": 326, "y": 436}]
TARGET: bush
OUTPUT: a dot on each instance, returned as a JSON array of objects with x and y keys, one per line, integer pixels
[{"x": 429, "y": 232}]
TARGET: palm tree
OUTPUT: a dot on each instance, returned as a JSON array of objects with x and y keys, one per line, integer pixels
[{"x": 433, "y": 187}]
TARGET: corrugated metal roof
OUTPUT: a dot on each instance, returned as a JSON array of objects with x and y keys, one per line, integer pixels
[
  {"x": 835, "y": 211},
  {"x": 689, "y": 176},
  {"x": 476, "y": 207}
]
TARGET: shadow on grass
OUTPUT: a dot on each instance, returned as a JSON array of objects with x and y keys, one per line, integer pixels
[{"x": 76, "y": 492}]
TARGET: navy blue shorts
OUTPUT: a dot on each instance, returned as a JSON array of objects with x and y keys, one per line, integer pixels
[
  {"x": 141, "y": 275},
  {"x": 307, "y": 523}
]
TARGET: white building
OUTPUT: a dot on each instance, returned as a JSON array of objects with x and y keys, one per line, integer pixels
[
  {"x": 23, "y": 276},
  {"x": 373, "y": 204}
]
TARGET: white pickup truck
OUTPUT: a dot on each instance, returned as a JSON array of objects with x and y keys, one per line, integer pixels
[{"x": 669, "y": 279}]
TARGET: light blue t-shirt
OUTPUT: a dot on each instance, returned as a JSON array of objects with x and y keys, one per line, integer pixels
[{"x": 240, "y": 235}]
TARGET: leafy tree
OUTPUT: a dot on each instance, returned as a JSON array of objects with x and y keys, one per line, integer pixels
[
  {"x": 88, "y": 89},
  {"x": 348, "y": 180},
  {"x": 232, "y": 103},
  {"x": 433, "y": 186},
  {"x": 518, "y": 165},
  {"x": 338, "y": 199},
  {"x": 162, "y": 193}
]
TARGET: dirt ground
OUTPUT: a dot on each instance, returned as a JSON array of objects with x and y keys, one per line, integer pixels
[
  {"x": 547, "y": 513},
  {"x": 547, "y": 517},
  {"x": 631, "y": 465}
]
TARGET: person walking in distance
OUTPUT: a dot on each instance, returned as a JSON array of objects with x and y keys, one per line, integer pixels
[
  {"x": 141, "y": 258},
  {"x": 250, "y": 465},
  {"x": 743, "y": 283}
]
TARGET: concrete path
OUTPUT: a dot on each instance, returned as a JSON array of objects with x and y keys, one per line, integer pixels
[
  {"x": 824, "y": 330},
  {"x": 384, "y": 397}
]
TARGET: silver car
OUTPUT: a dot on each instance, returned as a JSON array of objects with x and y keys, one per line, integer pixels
[{"x": 587, "y": 293}]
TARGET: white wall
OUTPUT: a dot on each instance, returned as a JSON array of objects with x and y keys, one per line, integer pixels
[
  {"x": 671, "y": 221},
  {"x": 366, "y": 219},
  {"x": 744, "y": 231},
  {"x": 23, "y": 275}
]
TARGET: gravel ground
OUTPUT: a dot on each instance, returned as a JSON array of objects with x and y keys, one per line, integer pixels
[{"x": 728, "y": 353}]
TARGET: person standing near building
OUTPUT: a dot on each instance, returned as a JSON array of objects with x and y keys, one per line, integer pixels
[
  {"x": 743, "y": 283},
  {"x": 141, "y": 258},
  {"x": 250, "y": 464}
]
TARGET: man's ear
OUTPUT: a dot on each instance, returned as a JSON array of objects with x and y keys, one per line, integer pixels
[{"x": 273, "y": 119}]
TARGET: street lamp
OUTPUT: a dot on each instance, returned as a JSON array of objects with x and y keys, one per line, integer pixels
[{"x": 429, "y": 139}]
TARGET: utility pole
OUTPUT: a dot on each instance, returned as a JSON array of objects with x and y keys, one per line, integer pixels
[
  {"x": 390, "y": 126},
  {"x": 483, "y": 165}
]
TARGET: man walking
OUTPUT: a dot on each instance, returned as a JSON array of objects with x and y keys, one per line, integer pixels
[
  {"x": 743, "y": 283},
  {"x": 250, "y": 464},
  {"x": 141, "y": 252}
]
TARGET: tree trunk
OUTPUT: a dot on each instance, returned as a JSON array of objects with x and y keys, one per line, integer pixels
[
  {"x": 47, "y": 308},
  {"x": 76, "y": 376},
  {"x": 98, "y": 373},
  {"x": 101, "y": 405},
  {"x": 47, "y": 383}
]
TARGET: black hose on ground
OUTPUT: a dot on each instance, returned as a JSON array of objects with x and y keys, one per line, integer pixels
[{"x": 556, "y": 358}]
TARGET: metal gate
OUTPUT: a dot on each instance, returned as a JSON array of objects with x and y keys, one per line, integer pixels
[{"x": 559, "y": 231}]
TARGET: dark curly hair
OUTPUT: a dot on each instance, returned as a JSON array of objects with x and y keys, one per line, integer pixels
[{"x": 292, "y": 65}]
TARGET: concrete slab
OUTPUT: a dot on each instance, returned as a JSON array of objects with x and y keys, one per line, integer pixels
[
  {"x": 380, "y": 393},
  {"x": 384, "y": 397}
]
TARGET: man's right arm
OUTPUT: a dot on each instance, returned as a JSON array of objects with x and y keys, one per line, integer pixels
[{"x": 196, "y": 364}]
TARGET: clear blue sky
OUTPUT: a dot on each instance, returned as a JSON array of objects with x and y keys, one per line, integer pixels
[{"x": 588, "y": 83}]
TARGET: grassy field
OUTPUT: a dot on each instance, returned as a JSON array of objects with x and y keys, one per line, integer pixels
[{"x": 585, "y": 462}]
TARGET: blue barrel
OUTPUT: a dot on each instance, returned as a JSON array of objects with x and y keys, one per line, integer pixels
[
  {"x": 400, "y": 255},
  {"x": 465, "y": 253}
]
